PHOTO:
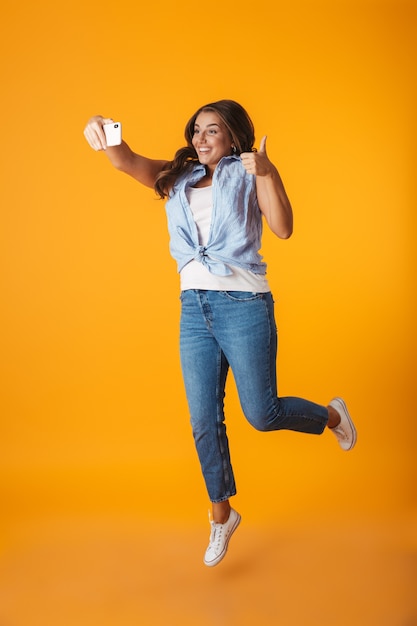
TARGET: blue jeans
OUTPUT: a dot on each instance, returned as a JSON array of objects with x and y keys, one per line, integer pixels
[{"x": 237, "y": 329}]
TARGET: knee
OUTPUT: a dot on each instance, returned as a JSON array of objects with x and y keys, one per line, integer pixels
[{"x": 260, "y": 422}]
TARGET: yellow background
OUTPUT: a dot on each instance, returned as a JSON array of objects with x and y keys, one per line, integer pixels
[{"x": 93, "y": 415}]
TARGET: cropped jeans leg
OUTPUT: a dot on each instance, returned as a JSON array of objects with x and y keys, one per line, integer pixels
[{"x": 205, "y": 368}]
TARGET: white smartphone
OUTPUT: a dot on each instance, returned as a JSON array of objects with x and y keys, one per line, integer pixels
[{"x": 113, "y": 133}]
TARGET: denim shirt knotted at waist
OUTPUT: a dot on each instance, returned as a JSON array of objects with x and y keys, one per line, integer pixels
[{"x": 236, "y": 222}]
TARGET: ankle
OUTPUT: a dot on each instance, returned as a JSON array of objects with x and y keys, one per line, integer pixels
[
  {"x": 221, "y": 512},
  {"x": 334, "y": 417}
]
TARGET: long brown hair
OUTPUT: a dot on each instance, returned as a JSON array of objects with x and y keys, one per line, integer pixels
[{"x": 237, "y": 122}]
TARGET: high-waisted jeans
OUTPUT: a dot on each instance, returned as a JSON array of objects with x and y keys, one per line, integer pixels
[{"x": 234, "y": 329}]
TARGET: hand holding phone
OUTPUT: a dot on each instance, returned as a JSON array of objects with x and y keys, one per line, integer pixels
[{"x": 113, "y": 134}]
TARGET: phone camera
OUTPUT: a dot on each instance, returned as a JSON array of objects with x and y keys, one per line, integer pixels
[{"x": 116, "y": 126}]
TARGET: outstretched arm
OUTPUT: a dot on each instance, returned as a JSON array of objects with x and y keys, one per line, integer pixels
[
  {"x": 272, "y": 198},
  {"x": 122, "y": 157}
]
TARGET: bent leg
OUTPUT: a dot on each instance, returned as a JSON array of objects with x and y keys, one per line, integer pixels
[{"x": 248, "y": 337}]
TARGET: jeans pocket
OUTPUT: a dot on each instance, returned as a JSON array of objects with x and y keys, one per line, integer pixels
[{"x": 242, "y": 296}]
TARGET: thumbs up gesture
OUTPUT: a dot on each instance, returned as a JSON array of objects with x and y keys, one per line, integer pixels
[{"x": 257, "y": 162}]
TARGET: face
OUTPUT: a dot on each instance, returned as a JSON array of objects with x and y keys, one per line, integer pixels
[{"x": 211, "y": 139}]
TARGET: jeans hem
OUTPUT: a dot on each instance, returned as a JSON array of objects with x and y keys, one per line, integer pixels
[{"x": 224, "y": 499}]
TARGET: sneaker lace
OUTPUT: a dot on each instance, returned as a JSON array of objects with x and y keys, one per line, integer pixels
[{"x": 216, "y": 535}]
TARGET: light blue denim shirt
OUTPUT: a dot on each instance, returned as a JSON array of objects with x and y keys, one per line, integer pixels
[{"x": 236, "y": 223}]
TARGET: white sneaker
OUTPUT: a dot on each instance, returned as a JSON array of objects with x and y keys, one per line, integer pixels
[
  {"x": 345, "y": 432},
  {"x": 219, "y": 539}
]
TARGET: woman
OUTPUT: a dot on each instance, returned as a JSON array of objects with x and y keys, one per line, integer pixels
[{"x": 218, "y": 188}]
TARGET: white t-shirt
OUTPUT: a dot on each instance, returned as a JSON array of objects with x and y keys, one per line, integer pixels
[{"x": 195, "y": 275}]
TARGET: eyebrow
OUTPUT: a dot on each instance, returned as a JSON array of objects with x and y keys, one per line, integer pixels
[{"x": 208, "y": 125}]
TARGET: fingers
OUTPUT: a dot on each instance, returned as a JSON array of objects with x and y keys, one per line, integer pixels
[
  {"x": 257, "y": 162},
  {"x": 249, "y": 161},
  {"x": 94, "y": 132}
]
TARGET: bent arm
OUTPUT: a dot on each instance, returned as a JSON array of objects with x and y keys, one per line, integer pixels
[
  {"x": 141, "y": 168},
  {"x": 274, "y": 203},
  {"x": 272, "y": 198}
]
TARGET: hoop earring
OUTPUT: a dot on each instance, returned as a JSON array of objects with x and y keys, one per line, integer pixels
[{"x": 234, "y": 149}]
